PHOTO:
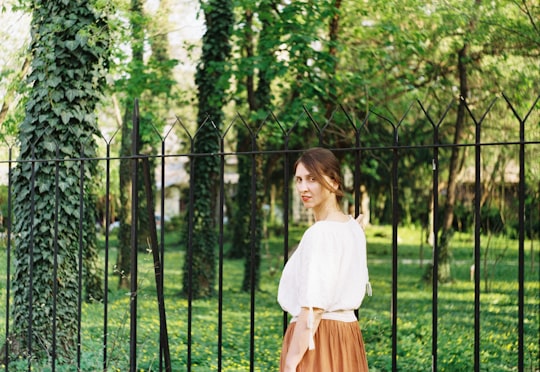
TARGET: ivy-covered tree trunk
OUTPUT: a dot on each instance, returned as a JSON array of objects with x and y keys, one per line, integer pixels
[
  {"x": 247, "y": 238},
  {"x": 252, "y": 272},
  {"x": 69, "y": 49},
  {"x": 212, "y": 83},
  {"x": 93, "y": 274},
  {"x": 242, "y": 209}
]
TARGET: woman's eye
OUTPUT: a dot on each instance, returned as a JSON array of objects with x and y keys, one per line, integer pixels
[{"x": 307, "y": 179}]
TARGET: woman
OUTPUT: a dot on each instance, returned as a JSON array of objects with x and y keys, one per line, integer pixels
[{"x": 326, "y": 278}]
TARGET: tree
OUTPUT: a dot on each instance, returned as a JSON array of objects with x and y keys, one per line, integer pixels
[
  {"x": 212, "y": 83},
  {"x": 255, "y": 75},
  {"x": 131, "y": 88},
  {"x": 70, "y": 41},
  {"x": 150, "y": 81},
  {"x": 473, "y": 48},
  {"x": 382, "y": 59}
]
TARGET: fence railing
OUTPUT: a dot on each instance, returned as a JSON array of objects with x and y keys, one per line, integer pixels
[{"x": 501, "y": 132}]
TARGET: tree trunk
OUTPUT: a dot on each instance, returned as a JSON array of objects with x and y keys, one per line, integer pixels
[
  {"x": 333, "y": 35},
  {"x": 93, "y": 275},
  {"x": 365, "y": 208},
  {"x": 454, "y": 169},
  {"x": 248, "y": 232},
  {"x": 123, "y": 261},
  {"x": 46, "y": 276},
  {"x": 242, "y": 211},
  {"x": 445, "y": 253}
]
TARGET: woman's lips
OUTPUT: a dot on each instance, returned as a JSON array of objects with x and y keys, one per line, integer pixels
[{"x": 305, "y": 198}]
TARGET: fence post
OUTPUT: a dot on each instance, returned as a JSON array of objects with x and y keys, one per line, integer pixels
[
  {"x": 134, "y": 248},
  {"x": 81, "y": 247},
  {"x": 106, "y": 265},
  {"x": 8, "y": 258},
  {"x": 521, "y": 217},
  {"x": 435, "y": 254},
  {"x": 395, "y": 221}
]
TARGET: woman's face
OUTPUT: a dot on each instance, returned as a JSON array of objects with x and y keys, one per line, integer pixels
[{"x": 313, "y": 193}]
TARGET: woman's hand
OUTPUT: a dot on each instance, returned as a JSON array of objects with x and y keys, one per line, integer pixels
[
  {"x": 289, "y": 368},
  {"x": 301, "y": 336}
]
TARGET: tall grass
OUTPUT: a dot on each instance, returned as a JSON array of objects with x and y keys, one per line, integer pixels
[{"x": 499, "y": 338}]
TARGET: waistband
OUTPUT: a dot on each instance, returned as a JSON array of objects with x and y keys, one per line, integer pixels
[{"x": 339, "y": 315}]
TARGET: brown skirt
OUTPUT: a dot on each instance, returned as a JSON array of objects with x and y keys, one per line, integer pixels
[{"x": 339, "y": 347}]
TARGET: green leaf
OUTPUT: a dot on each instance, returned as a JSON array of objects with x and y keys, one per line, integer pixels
[
  {"x": 67, "y": 149},
  {"x": 49, "y": 145},
  {"x": 54, "y": 81},
  {"x": 63, "y": 186},
  {"x": 69, "y": 209},
  {"x": 71, "y": 94},
  {"x": 66, "y": 116},
  {"x": 57, "y": 95},
  {"x": 43, "y": 117},
  {"x": 72, "y": 44},
  {"x": 43, "y": 187}
]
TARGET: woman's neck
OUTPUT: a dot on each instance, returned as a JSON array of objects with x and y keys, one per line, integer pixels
[{"x": 328, "y": 213}]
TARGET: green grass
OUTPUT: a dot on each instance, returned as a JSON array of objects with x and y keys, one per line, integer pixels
[{"x": 499, "y": 339}]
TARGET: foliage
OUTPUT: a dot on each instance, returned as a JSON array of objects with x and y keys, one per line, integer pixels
[
  {"x": 70, "y": 52},
  {"x": 386, "y": 55},
  {"x": 15, "y": 66}
]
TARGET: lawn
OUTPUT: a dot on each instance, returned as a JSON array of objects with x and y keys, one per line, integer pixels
[{"x": 499, "y": 339}]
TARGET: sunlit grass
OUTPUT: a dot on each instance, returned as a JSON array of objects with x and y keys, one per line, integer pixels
[{"x": 455, "y": 323}]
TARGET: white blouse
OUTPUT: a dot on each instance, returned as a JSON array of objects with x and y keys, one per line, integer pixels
[{"x": 328, "y": 270}]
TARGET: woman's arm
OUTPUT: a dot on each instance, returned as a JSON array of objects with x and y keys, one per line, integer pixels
[{"x": 301, "y": 337}]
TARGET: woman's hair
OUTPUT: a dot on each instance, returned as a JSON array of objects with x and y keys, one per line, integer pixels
[{"x": 322, "y": 162}]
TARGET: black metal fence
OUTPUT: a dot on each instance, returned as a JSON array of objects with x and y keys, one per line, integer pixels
[{"x": 353, "y": 140}]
